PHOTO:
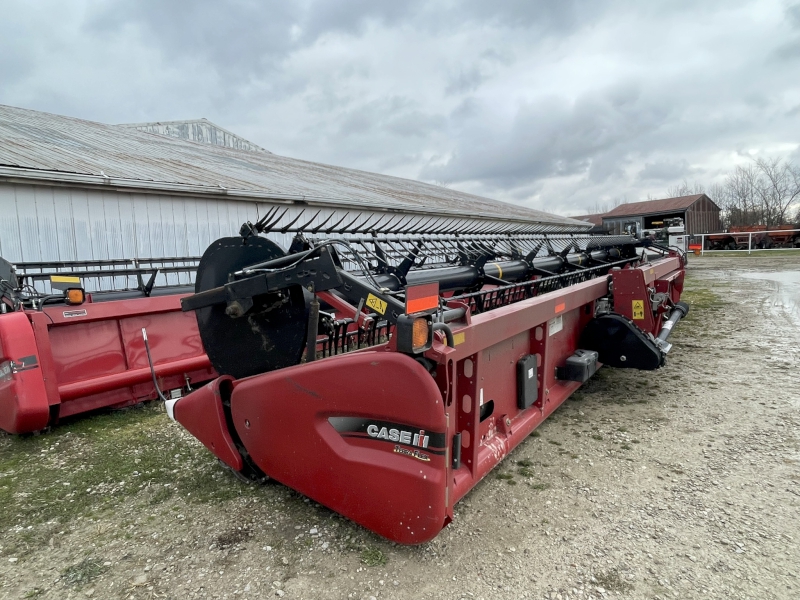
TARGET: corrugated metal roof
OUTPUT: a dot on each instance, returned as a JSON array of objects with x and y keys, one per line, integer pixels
[
  {"x": 197, "y": 130},
  {"x": 647, "y": 207},
  {"x": 595, "y": 219},
  {"x": 37, "y": 141}
]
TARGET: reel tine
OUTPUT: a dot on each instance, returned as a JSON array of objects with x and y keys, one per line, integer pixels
[
  {"x": 409, "y": 225},
  {"x": 260, "y": 223},
  {"x": 361, "y": 228},
  {"x": 302, "y": 228},
  {"x": 346, "y": 228},
  {"x": 416, "y": 228},
  {"x": 286, "y": 228},
  {"x": 335, "y": 225},
  {"x": 268, "y": 227},
  {"x": 318, "y": 227}
]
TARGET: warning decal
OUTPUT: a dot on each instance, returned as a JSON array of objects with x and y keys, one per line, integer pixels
[
  {"x": 376, "y": 304},
  {"x": 638, "y": 310}
]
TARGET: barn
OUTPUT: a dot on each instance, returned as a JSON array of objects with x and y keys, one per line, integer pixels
[
  {"x": 73, "y": 190},
  {"x": 699, "y": 213}
]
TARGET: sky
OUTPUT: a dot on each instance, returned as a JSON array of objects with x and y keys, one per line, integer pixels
[{"x": 561, "y": 106}]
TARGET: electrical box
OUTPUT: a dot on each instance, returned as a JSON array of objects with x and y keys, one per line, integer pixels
[
  {"x": 527, "y": 381},
  {"x": 579, "y": 367}
]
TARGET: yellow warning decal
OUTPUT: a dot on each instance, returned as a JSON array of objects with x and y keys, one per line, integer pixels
[
  {"x": 376, "y": 304},
  {"x": 64, "y": 279},
  {"x": 638, "y": 310},
  {"x": 458, "y": 338}
]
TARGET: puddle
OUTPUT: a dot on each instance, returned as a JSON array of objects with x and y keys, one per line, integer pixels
[{"x": 785, "y": 288}]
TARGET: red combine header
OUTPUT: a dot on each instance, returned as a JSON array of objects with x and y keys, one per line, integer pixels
[
  {"x": 64, "y": 351},
  {"x": 385, "y": 374}
]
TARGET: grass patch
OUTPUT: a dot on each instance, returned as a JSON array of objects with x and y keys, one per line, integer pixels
[
  {"x": 611, "y": 580},
  {"x": 701, "y": 298},
  {"x": 372, "y": 557},
  {"x": 540, "y": 486},
  {"x": 526, "y": 472},
  {"x": 83, "y": 572},
  {"x": 99, "y": 463},
  {"x": 555, "y": 443}
]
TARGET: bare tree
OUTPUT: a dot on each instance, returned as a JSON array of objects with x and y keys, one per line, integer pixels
[
  {"x": 684, "y": 189},
  {"x": 761, "y": 193},
  {"x": 778, "y": 187}
]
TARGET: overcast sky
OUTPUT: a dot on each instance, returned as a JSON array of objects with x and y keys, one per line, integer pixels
[{"x": 557, "y": 105}]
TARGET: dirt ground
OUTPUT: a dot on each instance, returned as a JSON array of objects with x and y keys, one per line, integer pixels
[{"x": 680, "y": 483}]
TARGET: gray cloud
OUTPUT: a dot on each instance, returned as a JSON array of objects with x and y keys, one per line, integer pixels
[
  {"x": 554, "y": 104},
  {"x": 664, "y": 170}
]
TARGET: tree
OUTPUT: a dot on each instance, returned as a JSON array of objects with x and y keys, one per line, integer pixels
[
  {"x": 760, "y": 193},
  {"x": 684, "y": 189}
]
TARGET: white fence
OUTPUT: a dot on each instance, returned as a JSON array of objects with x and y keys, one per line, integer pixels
[{"x": 751, "y": 241}]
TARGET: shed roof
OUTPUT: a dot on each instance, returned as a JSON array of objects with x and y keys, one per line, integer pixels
[
  {"x": 197, "y": 130},
  {"x": 595, "y": 219},
  {"x": 648, "y": 207},
  {"x": 37, "y": 145}
]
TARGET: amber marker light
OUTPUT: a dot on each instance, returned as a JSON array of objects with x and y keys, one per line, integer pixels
[
  {"x": 75, "y": 296},
  {"x": 419, "y": 334}
]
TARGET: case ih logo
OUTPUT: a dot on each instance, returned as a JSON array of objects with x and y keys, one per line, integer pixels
[{"x": 397, "y": 434}]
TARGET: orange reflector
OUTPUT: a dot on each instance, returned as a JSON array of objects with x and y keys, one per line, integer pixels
[
  {"x": 560, "y": 307},
  {"x": 422, "y": 298},
  {"x": 75, "y": 296},
  {"x": 419, "y": 334}
]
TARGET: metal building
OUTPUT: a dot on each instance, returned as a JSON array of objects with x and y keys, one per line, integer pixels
[
  {"x": 699, "y": 213},
  {"x": 75, "y": 190}
]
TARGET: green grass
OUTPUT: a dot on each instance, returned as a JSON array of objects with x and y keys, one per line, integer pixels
[
  {"x": 372, "y": 557},
  {"x": 700, "y": 298},
  {"x": 95, "y": 464},
  {"x": 83, "y": 572}
]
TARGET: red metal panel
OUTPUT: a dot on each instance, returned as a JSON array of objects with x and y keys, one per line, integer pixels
[
  {"x": 201, "y": 413},
  {"x": 92, "y": 356},
  {"x": 23, "y": 399},
  {"x": 93, "y": 347},
  {"x": 282, "y": 418},
  {"x": 172, "y": 336}
]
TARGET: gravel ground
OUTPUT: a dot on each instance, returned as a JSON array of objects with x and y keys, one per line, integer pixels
[{"x": 681, "y": 483}]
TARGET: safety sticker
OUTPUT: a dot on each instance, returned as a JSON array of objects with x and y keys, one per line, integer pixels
[
  {"x": 638, "y": 310},
  {"x": 555, "y": 325},
  {"x": 376, "y": 304},
  {"x": 458, "y": 338}
]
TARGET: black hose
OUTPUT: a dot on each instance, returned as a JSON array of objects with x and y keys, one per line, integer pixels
[
  {"x": 448, "y": 334},
  {"x": 152, "y": 368}
]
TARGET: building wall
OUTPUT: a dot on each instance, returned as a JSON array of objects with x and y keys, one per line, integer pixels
[
  {"x": 40, "y": 223},
  {"x": 703, "y": 217}
]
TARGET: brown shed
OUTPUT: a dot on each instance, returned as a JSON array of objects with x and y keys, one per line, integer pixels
[{"x": 699, "y": 213}]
